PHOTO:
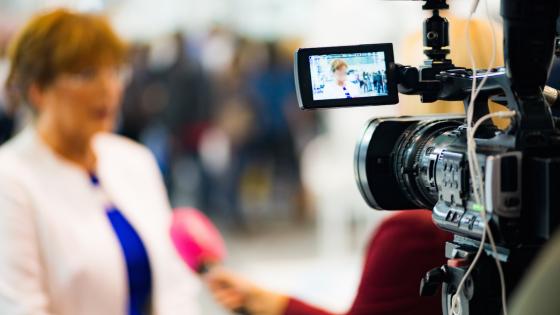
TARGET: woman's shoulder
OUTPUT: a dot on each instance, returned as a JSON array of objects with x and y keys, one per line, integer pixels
[
  {"x": 14, "y": 170},
  {"x": 110, "y": 143},
  {"x": 122, "y": 151},
  {"x": 15, "y": 151}
]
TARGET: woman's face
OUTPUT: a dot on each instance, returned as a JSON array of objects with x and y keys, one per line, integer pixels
[
  {"x": 82, "y": 104},
  {"x": 340, "y": 74}
]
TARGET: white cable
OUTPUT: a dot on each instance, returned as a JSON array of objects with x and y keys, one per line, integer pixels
[
  {"x": 455, "y": 307},
  {"x": 503, "y": 115},
  {"x": 510, "y": 114},
  {"x": 474, "y": 167},
  {"x": 500, "y": 271},
  {"x": 471, "y": 150},
  {"x": 455, "y": 300}
]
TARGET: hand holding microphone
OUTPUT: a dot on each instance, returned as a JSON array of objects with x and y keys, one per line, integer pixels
[
  {"x": 202, "y": 248},
  {"x": 233, "y": 292}
]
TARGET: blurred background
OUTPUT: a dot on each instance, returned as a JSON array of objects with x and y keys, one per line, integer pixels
[{"x": 212, "y": 95}]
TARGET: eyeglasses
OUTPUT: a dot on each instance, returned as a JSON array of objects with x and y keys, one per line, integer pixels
[{"x": 121, "y": 74}]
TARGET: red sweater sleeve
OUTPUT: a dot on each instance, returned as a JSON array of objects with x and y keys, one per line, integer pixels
[
  {"x": 405, "y": 246},
  {"x": 297, "y": 307}
]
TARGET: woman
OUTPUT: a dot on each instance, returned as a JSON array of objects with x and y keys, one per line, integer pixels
[
  {"x": 84, "y": 215},
  {"x": 340, "y": 87},
  {"x": 402, "y": 250}
]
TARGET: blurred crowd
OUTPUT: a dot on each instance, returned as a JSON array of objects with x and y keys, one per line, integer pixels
[{"x": 220, "y": 114}]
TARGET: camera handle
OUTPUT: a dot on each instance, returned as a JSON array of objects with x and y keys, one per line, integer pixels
[
  {"x": 481, "y": 290},
  {"x": 534, "y": 126},
  {"x": 479, "y": 295}
]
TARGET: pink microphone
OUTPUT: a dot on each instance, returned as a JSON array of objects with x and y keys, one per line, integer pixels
[
  {"x": 198, "y": 242},
  {"x": 196, "y": 239}
]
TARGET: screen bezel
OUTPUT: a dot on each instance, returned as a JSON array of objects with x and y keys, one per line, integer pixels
[{"x": 303, "y": 77}]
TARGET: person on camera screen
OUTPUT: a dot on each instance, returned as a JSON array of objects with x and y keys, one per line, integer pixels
[{"x": 341, "y": 86}]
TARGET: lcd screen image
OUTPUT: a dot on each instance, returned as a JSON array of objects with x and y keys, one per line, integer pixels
[{"x": 339, "y": 76}]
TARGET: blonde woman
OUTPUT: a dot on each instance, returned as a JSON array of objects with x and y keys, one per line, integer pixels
[{"x": 83, "y": 213}]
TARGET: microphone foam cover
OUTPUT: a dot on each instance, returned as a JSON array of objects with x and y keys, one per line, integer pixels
[{"x": 196, "y": 239}]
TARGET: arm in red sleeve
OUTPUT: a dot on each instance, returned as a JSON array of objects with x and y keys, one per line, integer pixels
[
  {"x": 297, "y": 307},
  {"x": 402, "y": 250}
]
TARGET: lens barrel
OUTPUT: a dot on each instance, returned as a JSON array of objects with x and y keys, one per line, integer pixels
[{"x": 395, "y": 161}]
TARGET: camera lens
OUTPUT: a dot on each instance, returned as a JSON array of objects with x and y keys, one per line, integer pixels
[
  {"x": 415, "y": 159},
  {"x": 396, "y": 161}
]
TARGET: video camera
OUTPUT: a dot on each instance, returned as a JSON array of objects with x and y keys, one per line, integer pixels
[{"x": 423, "y": 162}]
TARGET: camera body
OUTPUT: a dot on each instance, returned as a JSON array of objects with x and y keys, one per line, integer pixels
[{"x": 422, "y": 162}]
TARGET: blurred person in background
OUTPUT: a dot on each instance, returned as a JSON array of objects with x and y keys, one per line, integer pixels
[
  {"x": 401, "y": 251},
  {"x": 277, "y": 134},
  {"x": 228, "y": 144},
  {"x": 225, "y": 144},
  {"x": 134, "y": 116},
  {"x": 248, "y": 152},
  {"x": 159, "y": 111},
  {"x": 223, "y": 152},
  {"x": 84, "y": 217}
]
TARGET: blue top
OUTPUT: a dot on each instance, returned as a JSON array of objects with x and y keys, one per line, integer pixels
[
  {"x": 136, "y": 257},
  {"x": 346, "y": 92}
]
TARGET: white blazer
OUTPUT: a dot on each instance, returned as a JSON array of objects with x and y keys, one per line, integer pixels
[
  {"x": 58, "y": 251},
  {"x": 334, "y": 91}
]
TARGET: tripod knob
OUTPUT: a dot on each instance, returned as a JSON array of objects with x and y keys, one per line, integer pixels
[{"x": 432, "y": 280}]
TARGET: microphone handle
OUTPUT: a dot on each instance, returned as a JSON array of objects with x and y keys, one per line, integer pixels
[
  {"x": 241, "y": 311},
  {"x": 205, "y": 268}
]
